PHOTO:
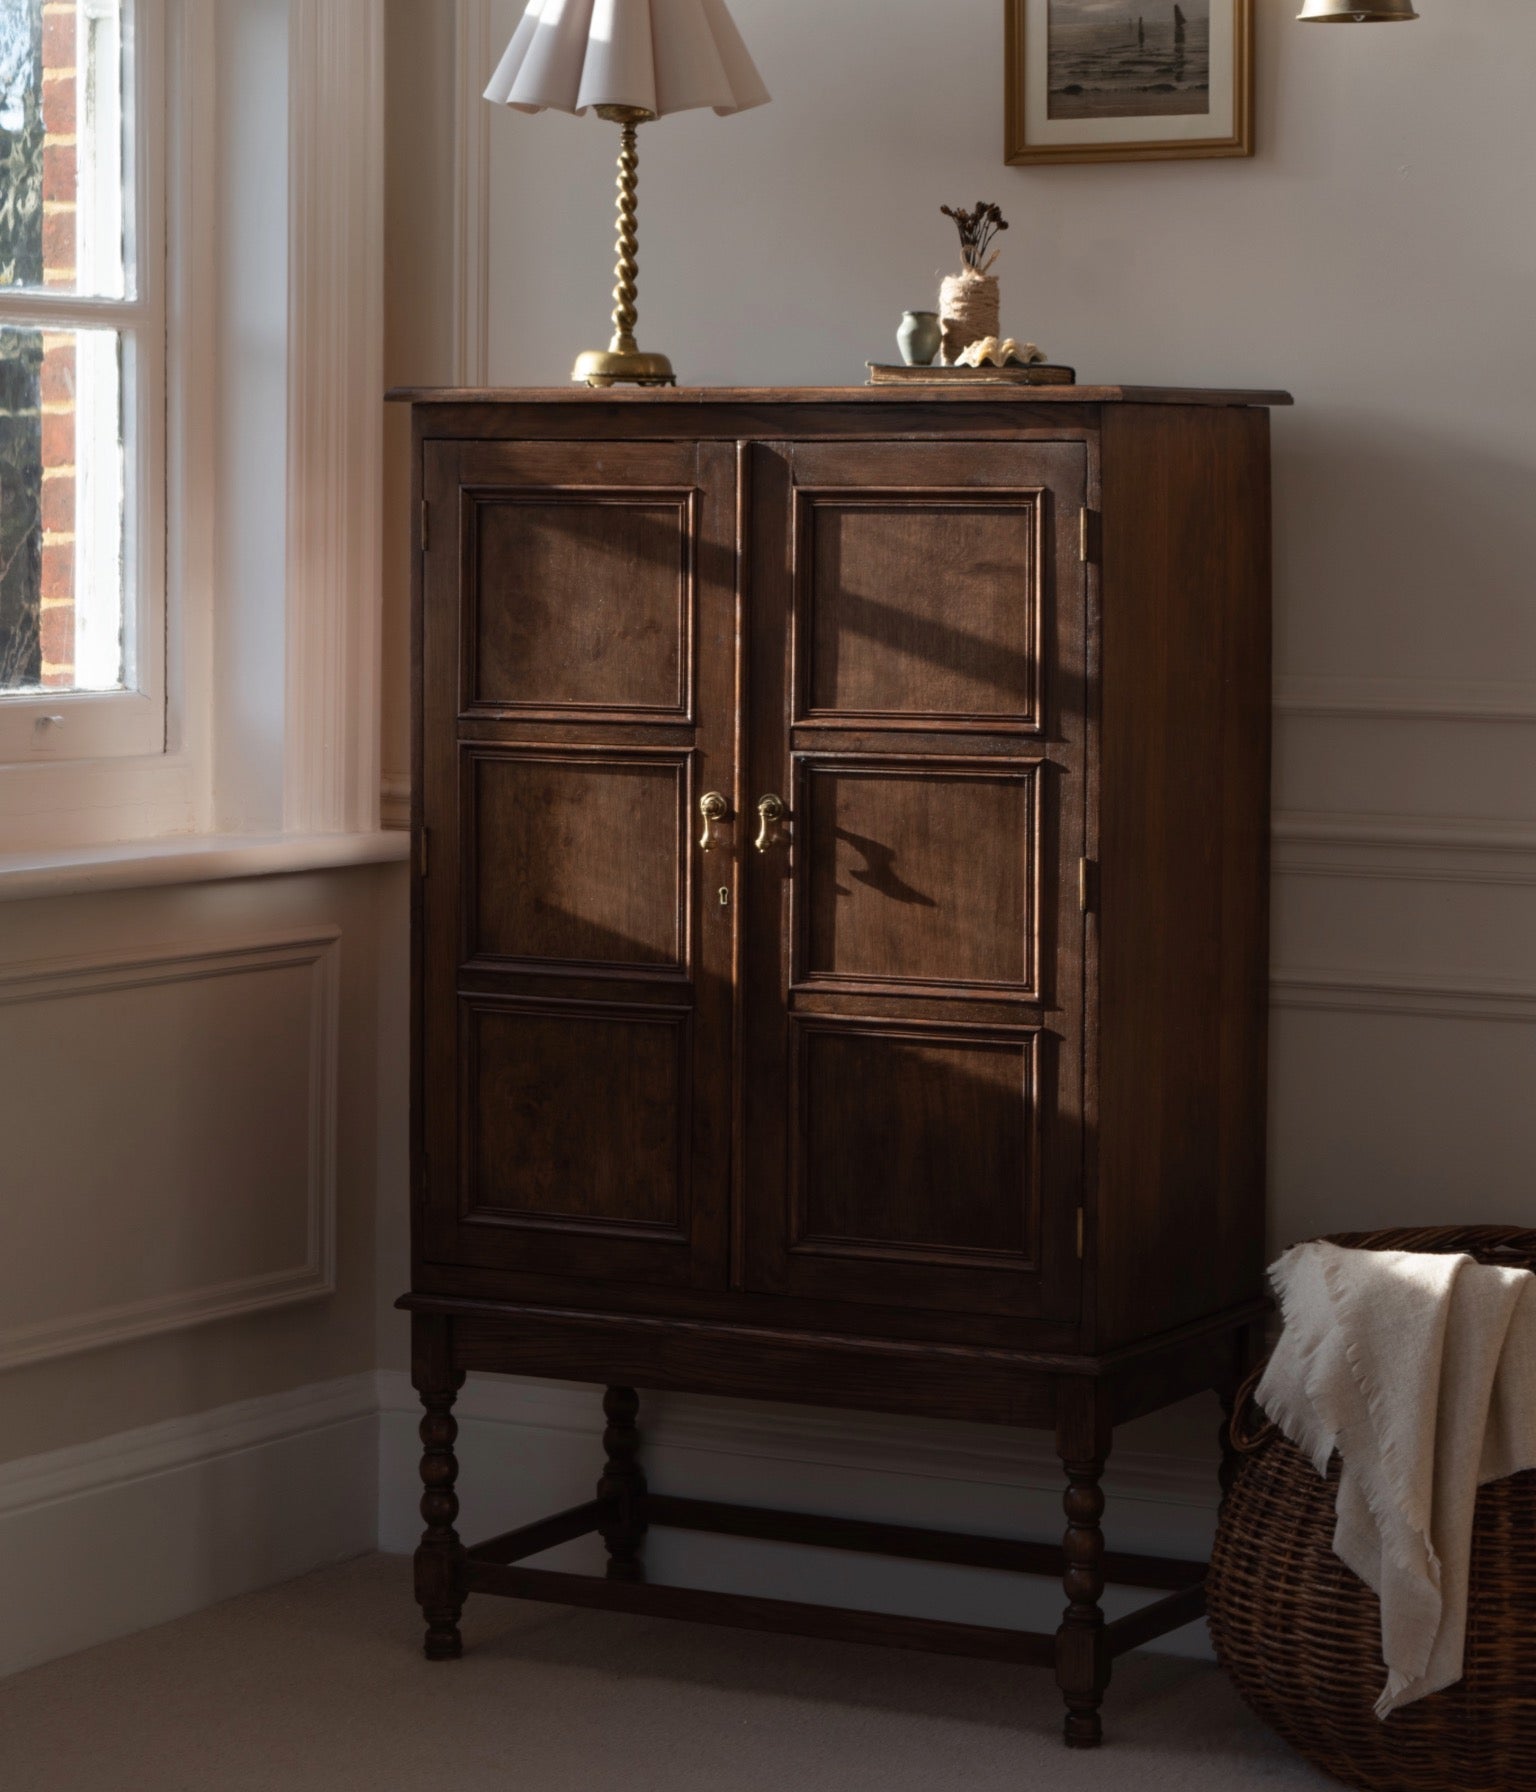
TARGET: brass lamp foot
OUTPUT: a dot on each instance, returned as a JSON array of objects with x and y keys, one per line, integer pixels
[{"x": 620, "y": 367}]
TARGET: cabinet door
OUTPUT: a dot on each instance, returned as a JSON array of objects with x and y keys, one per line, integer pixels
[
  {"x": 578, "y": 682},
  {"x": 913, "y": 1081}
]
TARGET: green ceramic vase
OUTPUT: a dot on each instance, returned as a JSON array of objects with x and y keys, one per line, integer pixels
[{"x": 918, "y": 338}]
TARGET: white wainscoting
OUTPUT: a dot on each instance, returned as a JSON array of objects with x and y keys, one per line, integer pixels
[
  {"x": 1404, "y": 1034},
  {"x": 1407, "y": 1101},
  {"x": 170, "y": 1125},
  {"x": 1426, "y": 998},
  {"x": 1418, "y": 849},
  {"x": 1406, "y": 699},
  {"x": 110, "y": 1537}
]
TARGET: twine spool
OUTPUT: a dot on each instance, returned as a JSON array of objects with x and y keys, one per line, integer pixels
[{"x": 970, "y": 308}]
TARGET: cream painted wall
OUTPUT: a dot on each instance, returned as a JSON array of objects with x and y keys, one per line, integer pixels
[
  {"x": 1377, "y": 257},
  {"x": 203, "y": 1217}
]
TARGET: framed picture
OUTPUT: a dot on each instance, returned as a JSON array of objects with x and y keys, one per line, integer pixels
[{"x": 1129, "y": 80}]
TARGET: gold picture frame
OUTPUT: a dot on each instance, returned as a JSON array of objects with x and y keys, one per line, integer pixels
[{"x": 1034, "y": 138}]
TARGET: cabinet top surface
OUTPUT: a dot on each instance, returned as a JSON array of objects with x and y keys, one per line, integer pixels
[{"x": 967, "y": 393}]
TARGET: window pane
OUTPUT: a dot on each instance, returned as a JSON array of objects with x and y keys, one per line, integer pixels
[
  {"x": 64, "y": 213},
  {"x": 61, "y": 510}
]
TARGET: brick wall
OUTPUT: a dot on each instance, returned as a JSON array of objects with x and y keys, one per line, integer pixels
[
  {"x": 60, "y": 95},
  {"x": 21, "y": 349}
]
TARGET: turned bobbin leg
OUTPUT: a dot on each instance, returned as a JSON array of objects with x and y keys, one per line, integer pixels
[
  {"x": 624, "y": 1481},
  {"x": 440, "y": 1555},
  {"x": 1082, "y": 1649}
]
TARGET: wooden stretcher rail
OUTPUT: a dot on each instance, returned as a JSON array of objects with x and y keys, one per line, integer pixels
[
  {"x": 1155, "y": 1620},
  {"x": 910, "y": 1542},
  {"x": 490, "y": 1567},
  {"x": 749, "y": 1612},
  {"x": 547, "y": 1533}
]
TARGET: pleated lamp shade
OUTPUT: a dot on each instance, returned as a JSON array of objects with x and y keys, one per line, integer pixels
[{"x": 659, "y": 56}]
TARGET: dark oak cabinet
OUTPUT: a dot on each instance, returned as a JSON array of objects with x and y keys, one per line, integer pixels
[{"x": 841, "y": 940}]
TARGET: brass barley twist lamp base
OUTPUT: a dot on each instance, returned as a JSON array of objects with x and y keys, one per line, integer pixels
[
  {"x": 629, "y": 62},
  {"x": 623, "y": 362}
]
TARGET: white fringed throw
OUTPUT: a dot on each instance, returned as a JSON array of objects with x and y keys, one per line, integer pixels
[{"x": 1420, "y": 1371}]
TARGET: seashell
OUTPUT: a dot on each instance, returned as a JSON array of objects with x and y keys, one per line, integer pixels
[{"x": 990, "y": 352}]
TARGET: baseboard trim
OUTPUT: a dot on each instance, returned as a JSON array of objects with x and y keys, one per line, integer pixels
[
  {"x": 110, "y": 1537},
  {"x": 184, "y": 1442}
]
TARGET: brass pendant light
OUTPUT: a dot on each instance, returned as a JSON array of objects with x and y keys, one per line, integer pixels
[{"x": 1356, "y": 12}]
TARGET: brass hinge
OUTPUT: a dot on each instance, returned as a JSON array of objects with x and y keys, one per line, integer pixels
[
  {"x": 426, "y": 525},
  {"x": 1079, "y": 1234},
  {"x": 1088, "y": 543},
  {"x": 1086, "y": 870},
  {"x": 421, "y": 852}
]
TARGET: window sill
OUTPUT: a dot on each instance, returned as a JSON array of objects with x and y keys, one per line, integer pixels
[{"x": 191, "y": 859}]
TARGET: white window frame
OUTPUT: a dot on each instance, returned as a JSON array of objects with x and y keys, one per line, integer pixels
[
  {"x": 272, "y": 765},
  {"x": 47, "y": 727}
]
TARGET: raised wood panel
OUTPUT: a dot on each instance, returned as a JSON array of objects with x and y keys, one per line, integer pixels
[
  {"x": 577, "y": 860},
  {"x": 561, "y": 819},
  {"x": 580, "y": 603},
  {"x": 576, "y": 1116},
  {"x": 925, "y": 880},
  {"x": 169, "y": 1127},
  {"x": 919, "y": 873},
  {"x": 916, "y": 1143},
  {"x": 920, "y": 607}
]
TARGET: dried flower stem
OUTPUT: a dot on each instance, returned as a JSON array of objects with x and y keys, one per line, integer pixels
[{"x": 978, "y": 230}]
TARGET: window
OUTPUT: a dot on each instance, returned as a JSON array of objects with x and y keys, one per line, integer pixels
[{"x": 82, "y": 327}]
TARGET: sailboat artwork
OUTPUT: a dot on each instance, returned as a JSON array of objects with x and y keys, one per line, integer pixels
[
  {"x": 1129, "y": 80},
  {"x": 1110, "y": 61}
]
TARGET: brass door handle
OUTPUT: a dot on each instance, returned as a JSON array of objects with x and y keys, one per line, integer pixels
[
  {"x": 714, "y": 808},
  {"x": 770, "y": 812}
]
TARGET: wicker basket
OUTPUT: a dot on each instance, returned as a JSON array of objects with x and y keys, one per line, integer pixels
[{"x": 1300, "y": 1635}]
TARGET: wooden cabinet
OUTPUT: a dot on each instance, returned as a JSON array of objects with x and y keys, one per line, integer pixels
[{"x": 840, "y": 937}]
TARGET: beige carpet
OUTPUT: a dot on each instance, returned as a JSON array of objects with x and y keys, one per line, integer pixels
[{"x": 318, "y": 1685}]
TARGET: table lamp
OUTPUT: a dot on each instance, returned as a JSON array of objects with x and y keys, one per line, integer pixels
[{"x": 633, "y": 61}]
